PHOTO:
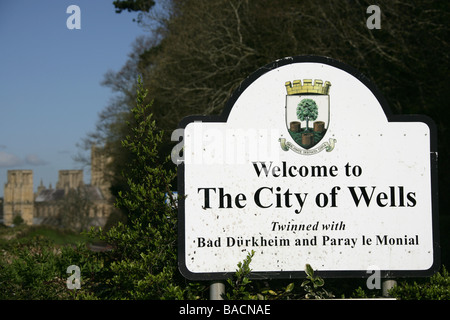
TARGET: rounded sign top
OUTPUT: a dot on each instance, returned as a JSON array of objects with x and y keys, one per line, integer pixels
[{"x": 307, "y": 165}]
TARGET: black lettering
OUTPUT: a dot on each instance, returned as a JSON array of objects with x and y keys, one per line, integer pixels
[
  {"x": 382, "y": 196},
  {"x": 263, "y": 168},
  {"x": 223, "y": 195},
  {"x": 200, "y": 242},
  {"x": 257, "y": 197},
  {"x": 333, "y": 171},
  {"x": 402, "y": 197},
  {"x": 411, "y": 199},
  {"x": 239, "y": 198},
  {"x": 292, "y": 174},
  {"x": 364, "y": 195},
  {"x": 206, "y": 206},
  {"x": 300, "y": 201}
]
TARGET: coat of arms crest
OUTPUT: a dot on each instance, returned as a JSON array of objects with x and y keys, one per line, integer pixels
[{"x": 307, "y": 116}]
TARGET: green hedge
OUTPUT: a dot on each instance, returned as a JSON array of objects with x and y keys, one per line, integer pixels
[{"x": 435, "y": 288}]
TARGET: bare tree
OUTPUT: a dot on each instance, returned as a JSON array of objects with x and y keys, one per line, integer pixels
[
  {"x": 199, "y": 51},
  {"x": 75, "y": 208}
]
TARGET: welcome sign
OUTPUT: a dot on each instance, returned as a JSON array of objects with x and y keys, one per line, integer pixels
[{"x": 307, "y": 165}]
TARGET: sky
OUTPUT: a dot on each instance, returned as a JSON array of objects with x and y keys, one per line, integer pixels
[{"x": 50, "y": 80}]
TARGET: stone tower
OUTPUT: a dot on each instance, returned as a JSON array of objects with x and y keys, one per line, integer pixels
[
  {"x": 18, "y": 197},
  {"x": 69, "y": 179},
  {"x": 99, "y": 170}
]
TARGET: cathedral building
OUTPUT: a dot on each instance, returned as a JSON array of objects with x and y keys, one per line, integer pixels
[{"x": 70, "y": 204}]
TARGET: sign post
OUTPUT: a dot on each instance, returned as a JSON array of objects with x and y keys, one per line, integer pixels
[
  {"x": 308, "y": 165},
  {"x": 387, "y": 285},
  {"x": 216, "y": 290}
]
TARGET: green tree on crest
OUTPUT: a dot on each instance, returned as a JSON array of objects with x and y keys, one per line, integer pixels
[{"x": 307, "y": 110}]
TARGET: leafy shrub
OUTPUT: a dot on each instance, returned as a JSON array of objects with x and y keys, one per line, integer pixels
[
  {"x": 143, "y": 261},
  {"x": 18, "y": 220},
  {"x": 436, "y": 288},
  {"x": 313, "y": 285},
  {"x": 241, "y": 287},
  {"x": 29, "y": 270}
]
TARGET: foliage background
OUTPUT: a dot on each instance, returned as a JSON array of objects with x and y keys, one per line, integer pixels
[{"x": 197, "y": 52}]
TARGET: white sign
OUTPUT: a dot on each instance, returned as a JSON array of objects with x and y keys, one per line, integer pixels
[{"x": 307, "y": 164}]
